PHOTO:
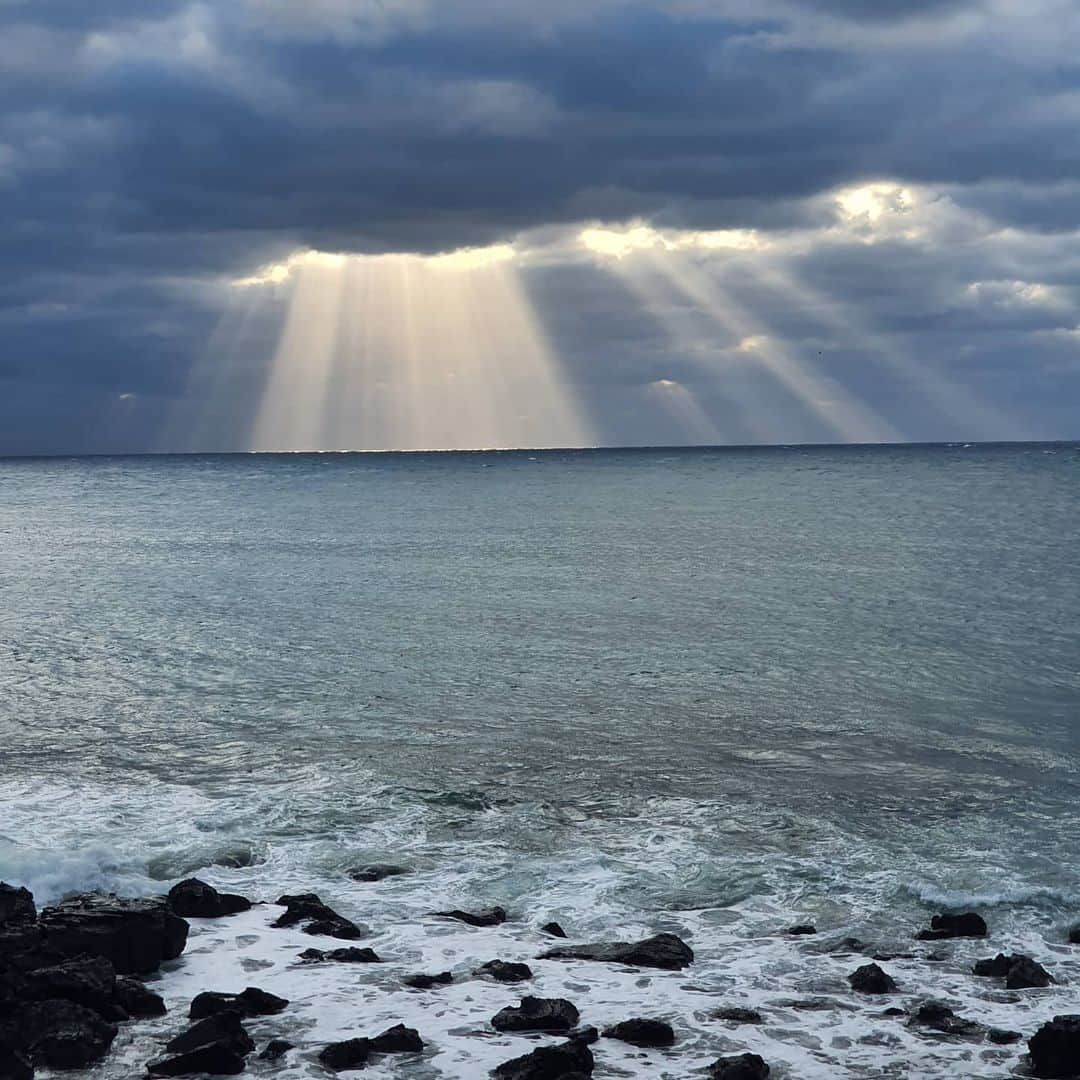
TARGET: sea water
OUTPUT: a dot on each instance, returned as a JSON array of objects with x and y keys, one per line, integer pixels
[{"x": 714, "y": 692}]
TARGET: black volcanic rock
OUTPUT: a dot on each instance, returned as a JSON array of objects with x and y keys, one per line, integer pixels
[
  {"x": 554, "y": 929},
  {"x": 954, "y": 926},
  {"x": 225, "y": 1028},
  {"x": 741, "y": 1067},
  {"x": 348, "y": 1054},
  {"x": 665, "y": 951},
  {"x": 14, "y": 1065},
  {"x": 802, "y": 930},
  {"x": 214, "y": 1059},
  {"x": 537, "y": 1014},
  {"x": 275, "y": 1049},
  {"x": 870, "y": 979},
  {"x": 376, "y": 872},
  {"x": 136, "y": 999},
  {"x": 427, "y": 982},
  {"x": 1001, "y": 1037},
  {"x": 16, "y": 905},
  {"x": 1019, "y": 972},
  {"x": 85, "y": 980},
  {"x": 501, "y": 971},
  {"x": 1055, "y": 1048},
  {"x": 319, "y": 919},
  {"x": 195, "y": 899},
  {"x": 494, "y": 916},
  {"x": 739, "y": 1015},
  {"x": 1074, "y": 935},
  {"x": 249, "y": 1002},
  {"x": 640, "y": 1032},
  {"x": 61, "y": 1034},
  {"x": 939, "y": 1017},
  {"x": 586, "y": 1034},
  {"x": 569, "y": 1059},
  {"x": 350, "y": 955},
  {"x": 135, "y": 935},
  {"x": 398, "y": 1040}
]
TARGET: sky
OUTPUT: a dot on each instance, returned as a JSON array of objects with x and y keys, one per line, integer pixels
[{"x": 408, "y": 224}]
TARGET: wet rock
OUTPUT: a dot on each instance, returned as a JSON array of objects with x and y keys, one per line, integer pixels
[
  {"x": 870, "y": 979},
  {"x": 351, "y": 955},
  {"x": 398, "y": 1040},
  {"x": 276, "y": 1049},
  {"x": 1001, "y": 1037},
  {"x": 249, "y": 1002},
  {"x": 537, "y": 1014},
  {"x": 741, "y": 1067},
  {"x": 1055, "y": 1048},
  {"x": 586, "y": 1034},
  {"x": 562, "y": 1062},
  {"x": 1019, "y": 972},
  {"x": 195, "y": 899},
  {"x": 802, "y": 930},
  {"x": 63, "y": 1035},
  {"x": 954, "y": 926},
  {"x": 320, "y": 919},
  {"x": 738, "y": 1015},
  {"x": 85, "y": 980},
  {"x": 213, "y": 1059},
  {"x": 225, "y": 1028},
  {"x": 489, "y": 917},
  {"x": 554, "y": 929},
  {"x": 503, "y": 972},
  {"x": 135, "y": 935},
  {"x": 349, "y": 1054},
  {"x": 939, "y": 1017},
  {"x": 893, "y": 1011},
  {"x": 665, "y": 951},
  {"x": 427, "y": 982},
  {"x": 136, "y": 999},
  {"x": 815, "y": 1004},
  {"x": 16, "y": 905},
  {"x": 850, "y": 944},
  {"x": 14, "y": 1066},
  {"x": 639, "y": 1032},
  {"x": 1074, "y": 935},
  {"x": 376, "y": 872}
]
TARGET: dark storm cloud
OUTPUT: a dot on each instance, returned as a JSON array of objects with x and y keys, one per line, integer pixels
[{"x": 147, "y": 149}]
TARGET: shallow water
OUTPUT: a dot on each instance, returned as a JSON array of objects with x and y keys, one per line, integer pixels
[{"x": 718, "y": 692}]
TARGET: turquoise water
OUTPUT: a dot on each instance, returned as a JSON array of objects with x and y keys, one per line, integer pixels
[{"x": 618, "y": 687}]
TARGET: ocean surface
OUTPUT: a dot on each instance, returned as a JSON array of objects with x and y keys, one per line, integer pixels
[{"x": 716, "y": 692}]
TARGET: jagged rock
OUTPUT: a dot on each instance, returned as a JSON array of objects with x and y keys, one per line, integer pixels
[
  {"x": 214, "y": 1059},
  {"x": 939, "y": 1017},
  {"x": 503, "y": 972},
  {"x": 86, "y": 980},
  {"x": 801, "y": 930},
  {"x": 376, "y": 872},
  {"x": 570, "y": 1059},
  {"x": 738, "y": 1015},
  {"x": 1002, "y": 1037},
  {"x": 225, "y": 1028},
  {"x": 741, "y": 1067},
  {"x": 398, "y": 1040},
  {"x": 537, "y": 1014},
  {"x": 275, "y": 1049},
  {"x": 1019, "y": 972},
  {"x": 954, "y": 926},
  {"x": 135, "y": 935},
  {"x": 136, "y": 999},
  {"x": 320, "y": 919},
  {"x": 1055, "y": 1048},
  {"x": 870, "y": 979},
  {"x": 14, "y": 1065},
  {"x": 489, "y": 917},
  {"x": 62, "y": 1035},
  {"x": 665, "y": 951},
  {"x": 640, "y": 1032},
  {"x": 249, "y": 1002},
  {"x": 195, "y": 899},
  {"x": 349, "y": 1054},
  {"x": 350, "y": 955},
  {"x": 586, "y": 1034},
  {"x": 428, "y": 982},
  {"x": 16, "y": 905},
  {"x": 554, "y": 929}
]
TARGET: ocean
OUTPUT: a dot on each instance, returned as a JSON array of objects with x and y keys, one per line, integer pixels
[{"x": 713, "y": 692}]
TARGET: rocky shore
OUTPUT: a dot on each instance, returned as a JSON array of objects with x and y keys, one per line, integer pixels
[{"x": 76, "y": 974}]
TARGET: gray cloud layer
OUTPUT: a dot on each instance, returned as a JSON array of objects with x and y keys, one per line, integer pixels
[{"x": 149, "y": 150}]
